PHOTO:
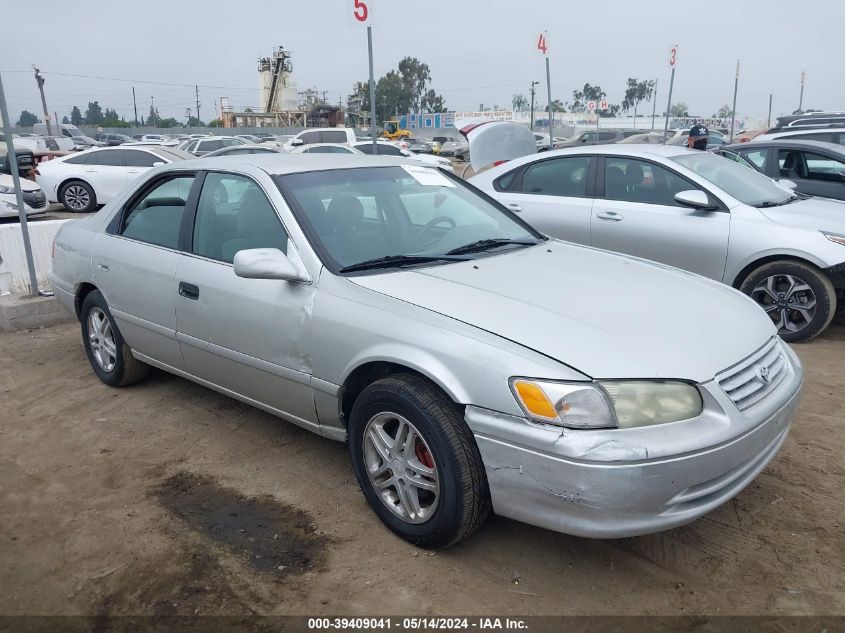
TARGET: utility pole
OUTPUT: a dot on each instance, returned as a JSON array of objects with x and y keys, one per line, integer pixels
[
  {"x": 135, "y": 105},
  {"x": 653, "y": 105},
  {"x": 551, "y": 111},
  {"x": 800, "y": 99},
  {"x": 733, "y": 109},
  {"x": 12, "y": 159},
  {"x": 40, "y": 81},
  {"x": 372, "y": 90},
  {"x": 188, "y": 115},
  {"x": 197, "y": 91},
  {"x": 769, "y": 118},
  {"x": 531, "y": 122},
  {"x": 153, "y": 109}
]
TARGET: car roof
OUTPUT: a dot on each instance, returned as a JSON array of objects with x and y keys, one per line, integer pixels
[
  {"x": 834, "y": 148},
  {"x": 280, "y": 164},
  {"x": 644, "y": 149}
]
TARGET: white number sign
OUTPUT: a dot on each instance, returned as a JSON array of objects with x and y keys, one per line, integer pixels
[{"x": 673, "y": 57}]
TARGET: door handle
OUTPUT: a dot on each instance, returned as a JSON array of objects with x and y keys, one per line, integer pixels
[
  {"x": 91, "y": 170},
  {"x": 189, "y": 291},
  {"x": 133, "y": 171},
  {"x": 611, "y": 216},
  {"x": 513, "y": 206},
  {"x": 103, "y": 267}
]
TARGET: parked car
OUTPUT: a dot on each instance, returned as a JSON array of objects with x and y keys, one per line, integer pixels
[
  {"x": 33, "y": 197},
  {"x": 825, "y": 135},
  {"x": 249, "y": 138},
  {"x": 454, "y": 148},
  {"x": 650, "y": 138},
  {"x": 204, "y": 145},
  {"x": 86, "y": 142},
  {"x": 816, "y": 168},
  {"x": 83, "y": 180},
  {"x": 386, "y": 148},
  {"x": 593, "y": 137},
  {"x": 234, "y": 150},
  {"x": 66, "y": 130},
  {"x": 112, "y": 139},
  {"x": 325, "y": 148},
  {"x": 679, "y": 207},
  {"x": 322, "y": 135},
  {"x": 468, "y": 361}
]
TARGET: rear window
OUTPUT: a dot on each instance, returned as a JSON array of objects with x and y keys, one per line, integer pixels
[{"x": 334, "y": 136}]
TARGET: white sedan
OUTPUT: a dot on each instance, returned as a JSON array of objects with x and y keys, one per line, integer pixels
[
  {"x": 394, "y": 149},
  {"x": 33, "y": 197},
  {"x": 83, "y": 180},
  {"x": 325, "y": 148}
]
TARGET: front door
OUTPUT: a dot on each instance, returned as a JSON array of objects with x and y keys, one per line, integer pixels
[
  {"x": 636, "y": 213},
  {"x": 135, "y": 268},
  {"x": 249, "y": 336},
  {"x": 815, "y": 174},
  {"x": 106, "y": 173}
]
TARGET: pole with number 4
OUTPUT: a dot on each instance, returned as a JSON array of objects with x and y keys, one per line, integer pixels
[
  {"x": 543, "y": 47},
  {"x": 361, "y": 14}
]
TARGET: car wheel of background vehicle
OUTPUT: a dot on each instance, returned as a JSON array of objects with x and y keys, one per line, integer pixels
[
  {"x": 108, "y": 353},
  {"x": 799, "y": 298},
  {"x": 417, "y": 462},
  {"x": 78, "y": 196}
]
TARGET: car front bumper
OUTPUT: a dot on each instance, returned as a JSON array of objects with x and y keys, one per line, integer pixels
[{"x": 620, "y": 483}]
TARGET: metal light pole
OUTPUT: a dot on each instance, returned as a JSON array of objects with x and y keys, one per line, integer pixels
[
  {"x": 769, "y": 118},
  {"x": 372, "y": 90},
  {"x": 16, "y": 183},
  {"x": 531, "y": 122},
  {"x": 733, "y": 109},
  {"x": 653, "y": 105},
  {"x": 135, "y": 105},
  {"x": 551, "y": 112},
  {"x": 801, "y": 98},
  {"x": 669, "y": 106}
]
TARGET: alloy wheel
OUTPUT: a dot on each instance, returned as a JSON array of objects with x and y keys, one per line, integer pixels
[
  {"x": 101, "y": 339},
  {"x": 77, "y": 197},
  {"x": 788, "y": 300},
  {"x": 401, "y": 467}
]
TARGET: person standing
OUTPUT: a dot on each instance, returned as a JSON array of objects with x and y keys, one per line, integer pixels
[{"x": 698, "y": 136}]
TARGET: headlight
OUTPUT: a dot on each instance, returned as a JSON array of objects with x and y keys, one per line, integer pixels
[
  {"x": 607, "y": 404},
  {"x": 4, "y": 189},
  {"x": 833, "y": 237}
]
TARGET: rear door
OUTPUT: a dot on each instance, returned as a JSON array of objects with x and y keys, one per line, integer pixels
[
  {"x": 636, "y": 213},
  {"x": 139, "y": 162},
  {"x": 105, "y": 171},
  {"x": 135, "y": 267},
  {"x": 815, "y": 174},
  {"x": 552, "y": 195}
]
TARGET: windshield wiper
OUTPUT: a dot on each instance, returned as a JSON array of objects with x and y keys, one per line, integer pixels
[
  {"x": 394, "y": 261},
  {"x": 771, "y": 203},
  {"x": 483, "y": 245}
]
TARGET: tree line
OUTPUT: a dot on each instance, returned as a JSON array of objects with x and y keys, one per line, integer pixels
[{"x": 97, "y": 116}]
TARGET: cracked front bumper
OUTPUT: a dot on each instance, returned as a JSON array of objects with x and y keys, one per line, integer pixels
[{"x": 626, "y": 482}]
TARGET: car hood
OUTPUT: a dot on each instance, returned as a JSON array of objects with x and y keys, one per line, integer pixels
[
  {"x": 26, "y": 185},
  {"x": 605, "y": 315},
  {"x": 818, "y": 214}
]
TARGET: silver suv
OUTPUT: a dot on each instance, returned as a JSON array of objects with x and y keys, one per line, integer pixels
[{"x": 692, "y": 210}]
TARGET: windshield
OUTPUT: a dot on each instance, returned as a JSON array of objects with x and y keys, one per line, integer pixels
[
  {"x": 746, "y": 185},
  {"x": 403, "y": 212}
]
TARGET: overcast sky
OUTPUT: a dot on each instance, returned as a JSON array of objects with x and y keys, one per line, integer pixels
[{"x": 479, "y": 51}]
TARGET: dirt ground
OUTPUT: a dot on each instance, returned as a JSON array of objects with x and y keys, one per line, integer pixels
[{"x": 168, "y": 498}]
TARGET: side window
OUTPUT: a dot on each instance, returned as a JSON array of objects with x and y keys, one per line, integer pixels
[
  {"x": 827, "y": 137},
  {"x": 233, "y": 214},
  {"x": 607, "y": 136},
  {"x": 107, "y": 158},
  {"x": 210, "y": 146},
  {"x": 506, "y": 182},
  {"x": 157, "y": 216},
  {"x": 310, "y": 137},
  {"x": 367, "y": 148},
  {"x": 333, "y": 136},
  {"x": 557, "y": 177},
  {"x": 638, "y": 181},
  {"x": 82, "y": 159},
  {"x": 756, "y": 156},
  {"x": 820, "y": 167},
  {"x": 328, "y": 149},
  {"x": 135, "y": 158}
]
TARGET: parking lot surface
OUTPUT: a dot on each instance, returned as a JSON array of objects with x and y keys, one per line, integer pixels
[{"x": 168, "y": 498}]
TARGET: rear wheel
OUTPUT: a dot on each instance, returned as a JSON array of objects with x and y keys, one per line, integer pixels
[
  {"x": 78, "y": 196},
  {"x": 799, "y": 298},
  {"x": 417, "y": 462},
  {"x": 109, "y": 355}
]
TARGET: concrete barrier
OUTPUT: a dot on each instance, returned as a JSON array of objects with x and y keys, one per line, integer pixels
[{"x": 14, "y": 275}]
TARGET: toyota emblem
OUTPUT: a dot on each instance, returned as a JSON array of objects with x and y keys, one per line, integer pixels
[{"x": 763, "y": 375}]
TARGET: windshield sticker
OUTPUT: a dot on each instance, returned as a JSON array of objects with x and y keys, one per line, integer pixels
[{"x": 428, "y": 176}]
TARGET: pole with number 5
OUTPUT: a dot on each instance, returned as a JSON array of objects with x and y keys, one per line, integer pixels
[{"x": 361, "y": 14}]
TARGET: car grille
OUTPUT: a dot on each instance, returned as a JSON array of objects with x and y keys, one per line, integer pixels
[
  {"x": 751, "y": 380},
  {"x": 35, "y": 199}
]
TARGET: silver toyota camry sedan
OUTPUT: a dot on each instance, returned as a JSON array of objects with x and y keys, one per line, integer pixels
[{"x": 469, "y": 361}]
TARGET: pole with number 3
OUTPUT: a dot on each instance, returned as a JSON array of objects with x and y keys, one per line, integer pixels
[{"x": 673, "y": 63}]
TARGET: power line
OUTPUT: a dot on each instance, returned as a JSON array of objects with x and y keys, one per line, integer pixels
[{"x": 136, "y": 81}]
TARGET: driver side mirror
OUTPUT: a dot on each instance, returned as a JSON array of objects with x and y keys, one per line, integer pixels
[
  {"x": 266, "y": 263},
  {"x": 297, "y": 142},
  {"x": 694, "y": 198},
  {"x": 158, "y": 164}
]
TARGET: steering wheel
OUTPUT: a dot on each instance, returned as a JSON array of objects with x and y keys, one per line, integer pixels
[{"x": 418, "y": 240}]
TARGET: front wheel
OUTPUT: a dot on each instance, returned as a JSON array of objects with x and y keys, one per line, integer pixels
[
  {"x": 799, "y": 298},
  {"x": 78, "y": 196},
  {"x": 417, "y": 462}
]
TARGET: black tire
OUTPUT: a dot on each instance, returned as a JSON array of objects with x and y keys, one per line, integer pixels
[
  {"x": 464, "y": 500},
  {"x": 820, "y": 288},
  {"x": 78, "y": 196},
  {"x": 127, "y": 369}
]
